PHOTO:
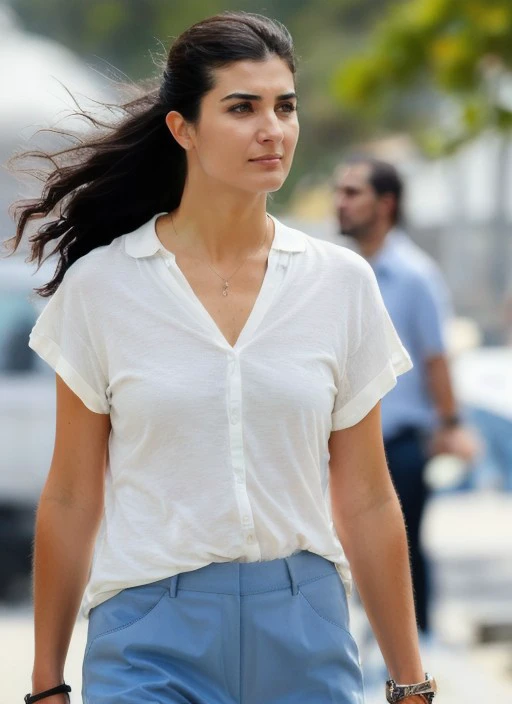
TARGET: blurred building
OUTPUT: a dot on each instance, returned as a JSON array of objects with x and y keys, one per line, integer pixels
[
  {"x": 36, "y": 74},
  {"x": 34, "y": 77},
  {"x": 459, "y": 207}
]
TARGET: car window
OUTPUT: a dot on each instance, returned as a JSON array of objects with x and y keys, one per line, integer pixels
[{"x": 17, "y": 318}]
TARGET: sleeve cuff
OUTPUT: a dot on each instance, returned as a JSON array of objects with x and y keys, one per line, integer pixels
[
  {"x": 359, "y": 406},
  {"x": 48, "y": 350}
]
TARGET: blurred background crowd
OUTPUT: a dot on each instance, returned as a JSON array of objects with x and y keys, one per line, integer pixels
[{"x": 423, "y": 84}]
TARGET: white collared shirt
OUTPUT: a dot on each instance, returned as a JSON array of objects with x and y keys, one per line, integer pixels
[{"x": 217, "y": 453}]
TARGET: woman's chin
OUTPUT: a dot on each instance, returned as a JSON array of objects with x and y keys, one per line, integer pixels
[{"x": 271, "y": 184}]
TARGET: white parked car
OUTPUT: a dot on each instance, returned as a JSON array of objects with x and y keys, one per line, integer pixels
[
  {"x": 27, "y": 416},
  {"x": 34, "y": 92}
]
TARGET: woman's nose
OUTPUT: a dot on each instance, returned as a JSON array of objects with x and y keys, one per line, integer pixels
[{"x": 271, "y": 128}]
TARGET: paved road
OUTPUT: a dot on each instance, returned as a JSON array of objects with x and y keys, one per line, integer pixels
[{"x": 470, "y": 540}]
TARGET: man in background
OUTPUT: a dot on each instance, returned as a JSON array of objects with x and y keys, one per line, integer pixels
[{"x": 420, "y": 416}]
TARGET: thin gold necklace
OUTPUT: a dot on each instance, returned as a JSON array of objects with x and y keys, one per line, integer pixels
[{"x": 224, "y": 279}]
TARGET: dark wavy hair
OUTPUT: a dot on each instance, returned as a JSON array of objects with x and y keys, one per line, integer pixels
[{"x": 116, "y": 179}]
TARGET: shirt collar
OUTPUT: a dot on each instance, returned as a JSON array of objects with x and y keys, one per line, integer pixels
[
  {"x": 143, "y": 242},
  {"x": 383, "y": 261}
]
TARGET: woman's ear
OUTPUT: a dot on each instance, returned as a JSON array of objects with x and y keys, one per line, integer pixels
[{"x": 179, "y": 129}]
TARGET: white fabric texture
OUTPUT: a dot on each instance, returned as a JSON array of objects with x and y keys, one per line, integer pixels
[{"x": 217, "y": 453}]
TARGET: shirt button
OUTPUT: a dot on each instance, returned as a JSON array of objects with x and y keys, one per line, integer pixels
[
  {"x": 246, "y": 520},
  {"x": 235, "y": 417},
  {"x": 250, "y": 538}
]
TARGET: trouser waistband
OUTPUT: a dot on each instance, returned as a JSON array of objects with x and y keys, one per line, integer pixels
[{"x": 242, "y": 578}]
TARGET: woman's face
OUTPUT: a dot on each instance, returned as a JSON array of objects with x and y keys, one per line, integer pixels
[{"x": 248, "y": 127}]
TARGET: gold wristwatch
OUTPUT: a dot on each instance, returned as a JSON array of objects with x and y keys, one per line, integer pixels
[{"x": 396, "y": 692}]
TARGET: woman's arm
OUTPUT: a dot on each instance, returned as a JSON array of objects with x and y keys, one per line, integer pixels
[
  {"x": 68, "y": 517},
  {"x": 370, "y": 526}
]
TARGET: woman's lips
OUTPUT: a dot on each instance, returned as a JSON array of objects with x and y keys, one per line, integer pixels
[{"x": 270, "y": 159}]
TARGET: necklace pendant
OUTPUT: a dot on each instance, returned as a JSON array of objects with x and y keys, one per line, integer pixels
[{"x": 225, "y": 289}]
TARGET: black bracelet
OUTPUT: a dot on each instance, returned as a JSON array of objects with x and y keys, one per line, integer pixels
[{"x": 60, "y": 689}]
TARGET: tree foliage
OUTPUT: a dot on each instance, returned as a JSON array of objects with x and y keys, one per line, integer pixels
[{"x": 455, "y": 53}]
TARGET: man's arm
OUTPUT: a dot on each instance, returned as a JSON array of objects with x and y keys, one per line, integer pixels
[
  {"x": 441, "y": 390},
  {"x": 451, "y": 437},
  {"x": 433, "y": 309}
]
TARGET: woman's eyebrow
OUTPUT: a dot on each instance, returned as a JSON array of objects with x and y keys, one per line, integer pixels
[{"x": 249, "y": 96}]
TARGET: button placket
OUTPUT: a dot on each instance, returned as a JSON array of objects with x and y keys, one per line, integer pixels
[{"x": 234, "y": 402}]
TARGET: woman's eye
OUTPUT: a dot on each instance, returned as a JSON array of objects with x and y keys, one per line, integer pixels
[
  {"x": 288, "y": 107},
  {"x": 241, "y": 107}
]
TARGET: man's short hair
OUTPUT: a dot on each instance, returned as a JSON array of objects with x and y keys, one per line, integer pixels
[{"x": 384, "y": 178}]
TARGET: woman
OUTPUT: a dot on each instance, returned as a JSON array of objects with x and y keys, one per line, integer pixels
[{"x": 216, "y": 373}]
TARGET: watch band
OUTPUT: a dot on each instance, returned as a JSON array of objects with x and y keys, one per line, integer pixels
[{"x": 396, "y": 692}]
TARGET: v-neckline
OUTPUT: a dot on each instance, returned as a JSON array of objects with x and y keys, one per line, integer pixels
[{"x": 261, "y": 304}]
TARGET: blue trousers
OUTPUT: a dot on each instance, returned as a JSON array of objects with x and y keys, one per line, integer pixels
[
  {"x": 407, "y": 461},
  {"x": 272, "y": 632}
]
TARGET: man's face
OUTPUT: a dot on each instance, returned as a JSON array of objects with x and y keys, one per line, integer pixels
[{"x": 356, "y": 203}]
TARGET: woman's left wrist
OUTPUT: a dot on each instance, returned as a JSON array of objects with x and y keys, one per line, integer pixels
[{"x": 420, "y": 691}]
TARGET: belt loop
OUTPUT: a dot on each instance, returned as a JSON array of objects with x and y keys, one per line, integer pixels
[
  {"x": 174, "y": 586},
  {"x": 295, "y": 588}
]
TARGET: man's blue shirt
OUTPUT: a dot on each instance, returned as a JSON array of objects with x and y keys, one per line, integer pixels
[{"x": 418, "y": 303}]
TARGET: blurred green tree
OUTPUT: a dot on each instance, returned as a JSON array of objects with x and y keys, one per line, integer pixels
[{"x": 443, "y": 66}]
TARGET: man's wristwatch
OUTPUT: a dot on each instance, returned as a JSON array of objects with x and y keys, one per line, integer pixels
[
  {"x": 396, "y": 692},
  {"x": 449, "y": 422}
]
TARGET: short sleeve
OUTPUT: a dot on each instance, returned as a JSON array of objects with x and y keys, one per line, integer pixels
[
  {"x": 433, "y": 307},
  {"x": 65, "y": 335},
  {"x": 374, "y": 357}
]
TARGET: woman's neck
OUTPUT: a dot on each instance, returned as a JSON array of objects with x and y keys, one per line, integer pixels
[{"x": 219, "y": 227}]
